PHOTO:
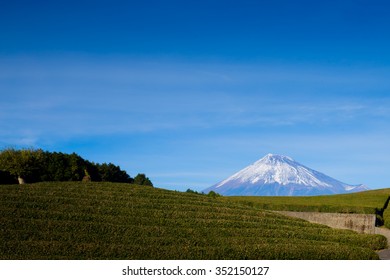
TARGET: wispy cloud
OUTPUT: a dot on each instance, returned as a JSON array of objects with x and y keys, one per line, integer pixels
[{"x": 280, "y": 108}]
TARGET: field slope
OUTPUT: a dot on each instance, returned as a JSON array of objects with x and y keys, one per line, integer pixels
[
  {"x": 368, "y": 202},
  {"x": 122, "y": 221}
]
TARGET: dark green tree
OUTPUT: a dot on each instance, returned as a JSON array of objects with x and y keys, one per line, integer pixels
[
  {"x": 141, "y": 179},
  {"x": 93, "y": 171},
  {"x": 112, "y": 173},
  {"x": 213, "y": 194},
  {"x": 194, "y": 192},
  {"x": 25, "y": 164},
  {"x": 62, "y": 167},
  {"x": 77, "y": 166}
]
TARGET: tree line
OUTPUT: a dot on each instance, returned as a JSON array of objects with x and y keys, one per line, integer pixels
[
  {"x": 35, "y": 165},
  {"x": 212, "y": 194}
]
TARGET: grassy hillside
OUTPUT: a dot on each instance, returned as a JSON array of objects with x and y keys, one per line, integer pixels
[
  {"x": 368, "y": 202},
  {"x": 122, "y": 221}
]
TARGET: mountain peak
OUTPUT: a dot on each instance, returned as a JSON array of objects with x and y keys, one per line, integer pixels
[
  {"x": 280, "y": 175},
  {"x": 275, "y": 158}
]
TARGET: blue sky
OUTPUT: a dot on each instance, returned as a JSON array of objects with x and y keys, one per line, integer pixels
[{"x": 190, "y": 92}]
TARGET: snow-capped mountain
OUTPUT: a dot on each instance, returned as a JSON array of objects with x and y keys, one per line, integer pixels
[{"x": 277, "y": 175}]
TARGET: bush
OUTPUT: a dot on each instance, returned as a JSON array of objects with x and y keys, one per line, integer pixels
[{"x": 213, "y": 194}]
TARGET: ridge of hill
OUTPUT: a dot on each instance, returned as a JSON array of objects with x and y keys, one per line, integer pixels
[{"x": 72, "y": 220}]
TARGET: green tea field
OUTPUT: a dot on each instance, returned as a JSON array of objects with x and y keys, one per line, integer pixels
[
  {"x": 121, "y": 221},
  {"x": 369, "y": 202}
]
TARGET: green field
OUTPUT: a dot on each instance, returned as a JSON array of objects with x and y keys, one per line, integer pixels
[
  {"x": 122, "y": 221},
  {"x": 369, "y": 202}
]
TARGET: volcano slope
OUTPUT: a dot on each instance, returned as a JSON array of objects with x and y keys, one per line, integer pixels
[
  {"x": 279, "y": 175},
  {"x": 122, "y": 221}
]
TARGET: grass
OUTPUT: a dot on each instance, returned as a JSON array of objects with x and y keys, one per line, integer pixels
[
  {"x": 120, "y": 221},
  {"x": 369, "y": 202}
]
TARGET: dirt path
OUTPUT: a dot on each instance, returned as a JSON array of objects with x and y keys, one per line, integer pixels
[{"x": 384, "y": 254}]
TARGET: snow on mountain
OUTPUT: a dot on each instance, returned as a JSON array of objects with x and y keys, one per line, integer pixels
[{"x": 277, "y": 175}]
